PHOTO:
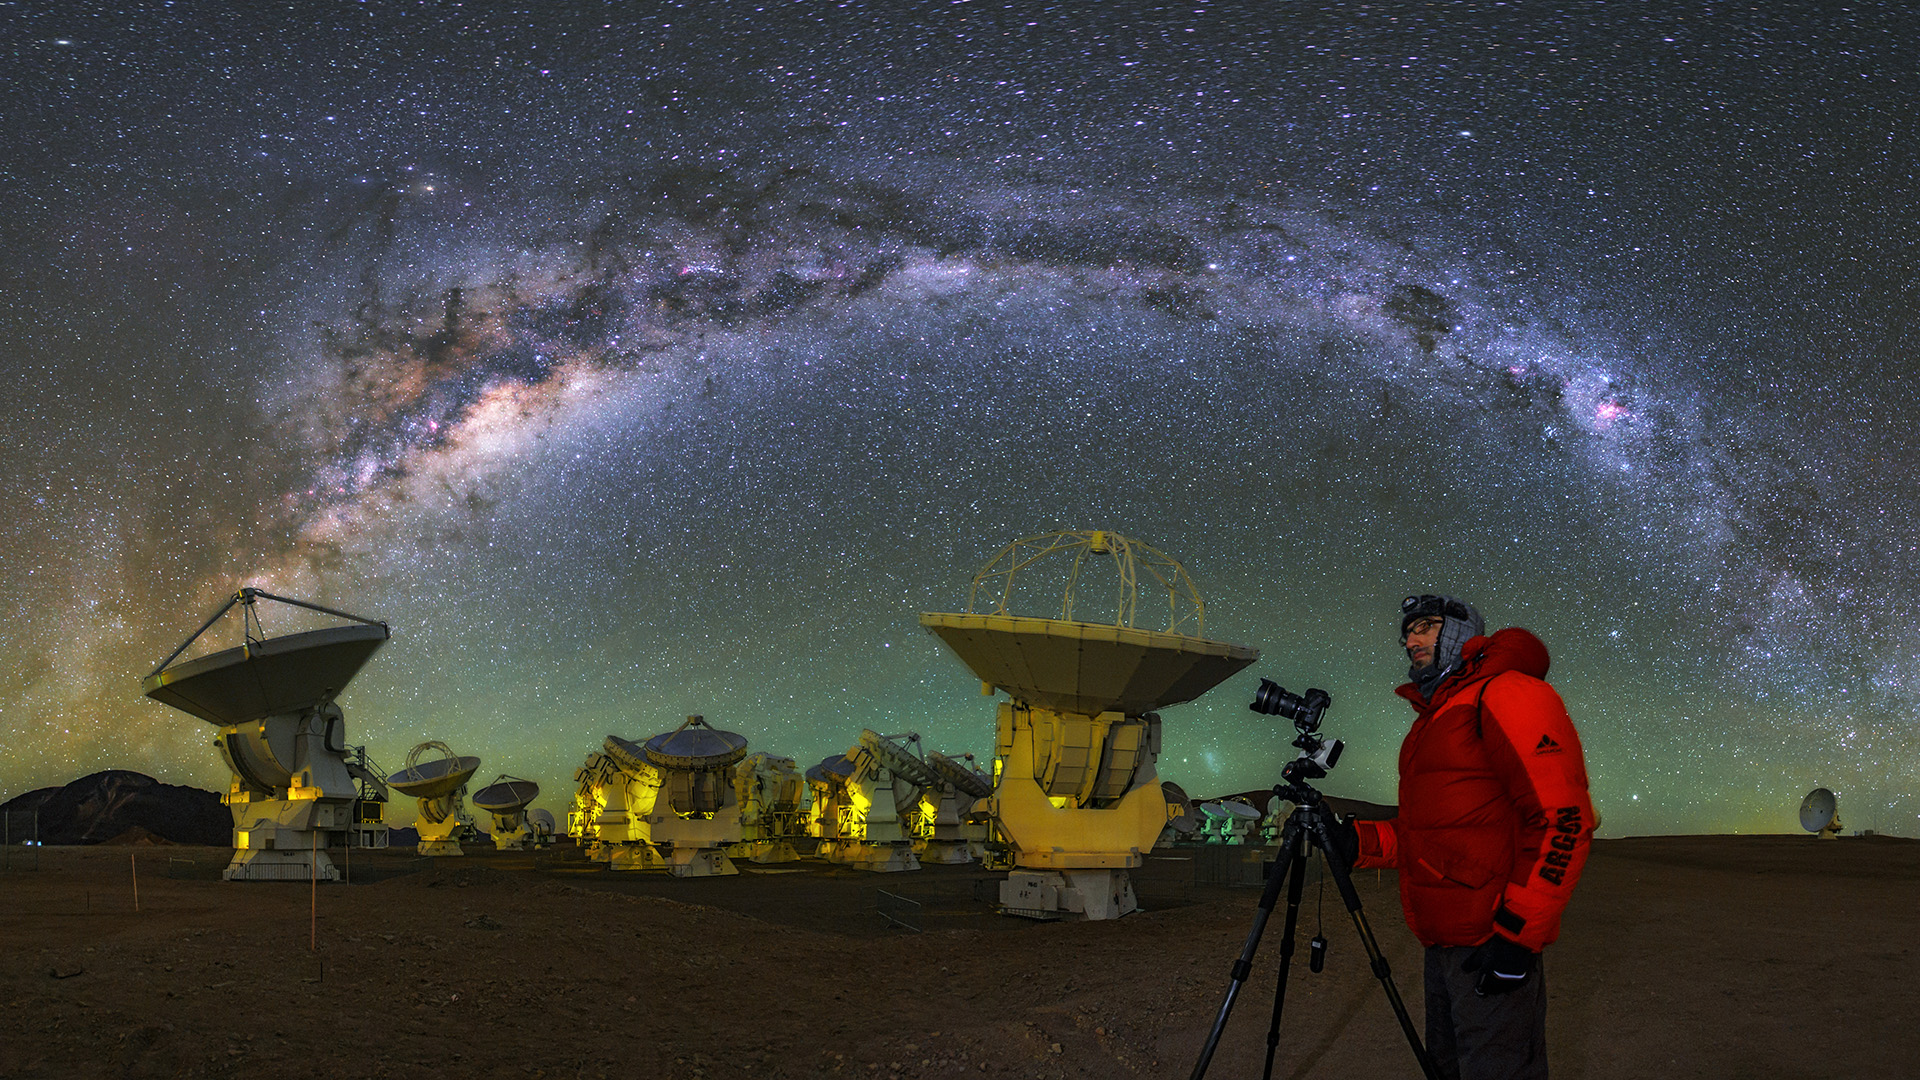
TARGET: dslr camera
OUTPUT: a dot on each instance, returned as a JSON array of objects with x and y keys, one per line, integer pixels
[{"x": 1317, "y": 754}]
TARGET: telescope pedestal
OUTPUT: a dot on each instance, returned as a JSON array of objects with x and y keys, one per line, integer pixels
[
  {"x": 765, "y": 851},
  {"x": 874, "y": 828},
  {"x": 284, "y": 839},
  {"x": 696, "y": 846},
  {"x": 953, "y": 839},
  {"x": 947, "y": 853},
  {"x": 438, "y": 838},
  {"x": 280, "y": 866},
  {"x": 513, "y": 835},
  {"x": 1073, "y": 860},
  {"x": 1090, "y": 894},
  {"x": 686, "y": 862},
  {"x": 891, "y": 857},
  {"x": 634, "y": 855},
  {"x": 621, "y": 826}
]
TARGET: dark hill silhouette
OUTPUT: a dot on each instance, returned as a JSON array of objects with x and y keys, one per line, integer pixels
[{"x": 106, "y": 805}]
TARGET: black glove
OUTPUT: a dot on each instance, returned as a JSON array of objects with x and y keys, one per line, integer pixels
[
  {"x": 1343, "y": 838},
  {"x": 1504, "y": 965}
]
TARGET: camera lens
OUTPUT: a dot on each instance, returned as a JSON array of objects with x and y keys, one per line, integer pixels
[{"x": 1270, "y": 699}]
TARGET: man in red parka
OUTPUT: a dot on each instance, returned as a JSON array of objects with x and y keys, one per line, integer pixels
[{"x": 1492, "y": 832}]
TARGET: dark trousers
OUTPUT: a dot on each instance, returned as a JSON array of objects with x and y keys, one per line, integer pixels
[{"x": 1503, "y": 1037}]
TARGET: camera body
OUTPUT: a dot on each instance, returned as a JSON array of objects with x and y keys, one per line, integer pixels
[
  {"x": 1305, "y": 710},
  {"x": 1317, "y": 754}
]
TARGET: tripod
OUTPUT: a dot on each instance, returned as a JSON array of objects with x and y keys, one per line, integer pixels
[{"x": 1308, "y": 824}]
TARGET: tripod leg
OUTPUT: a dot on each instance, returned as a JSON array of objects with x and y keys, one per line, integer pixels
[
  {"x": 1291, "y": 842},
  {"x": 1378, "y": 962},
  {"x": 1296, "y": 878}
]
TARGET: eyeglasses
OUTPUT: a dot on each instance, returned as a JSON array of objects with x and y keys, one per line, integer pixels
[{"x": 1419, "y": 625}]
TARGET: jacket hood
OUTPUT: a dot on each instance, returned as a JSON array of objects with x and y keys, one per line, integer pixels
[{"x": 1512, "y": 649}]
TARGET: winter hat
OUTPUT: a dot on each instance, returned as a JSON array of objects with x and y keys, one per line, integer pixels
[{"x": 1459, "y": 622}]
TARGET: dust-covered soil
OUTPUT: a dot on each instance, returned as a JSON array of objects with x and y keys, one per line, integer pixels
[{"x": 1780, "y": 957}]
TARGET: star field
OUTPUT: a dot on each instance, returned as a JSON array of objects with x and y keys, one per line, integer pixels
[{"x": 638, "y": 360}]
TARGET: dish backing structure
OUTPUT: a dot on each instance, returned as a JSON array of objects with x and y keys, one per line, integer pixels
[
  {"x": 950, "y": 829},
  {"x": 295, "y": 792},
  {"x": 879, "y": 802},
  {"x": 772, "y": 793},
  {"x": 1076, "y": 792}
]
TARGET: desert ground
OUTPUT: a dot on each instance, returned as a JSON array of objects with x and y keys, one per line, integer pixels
[{"x": 1710, "y": 956}]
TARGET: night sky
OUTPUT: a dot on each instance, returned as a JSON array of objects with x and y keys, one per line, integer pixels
[{"x": 638, "y": 360}]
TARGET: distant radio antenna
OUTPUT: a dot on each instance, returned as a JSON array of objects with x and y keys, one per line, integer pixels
[{"x": 1820, "y": 814}]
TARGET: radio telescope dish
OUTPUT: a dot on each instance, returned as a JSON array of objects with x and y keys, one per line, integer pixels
[
  {"x": 965, "y": 780},
  {"x": 949, "y": 829},
  {"x": 506, "y": 799},
  {"x": 436, "y": 777},
  {"x": 285, "y": 674},
  {"x": 772, "y": 794},
  {"x": 695, "y": 746},
  {"x": 878, "y": 808},
  {"x": 895, "y": 758},
  {"x": 616, "y": 795},
  {"x": 1086, "y": 668},
  {"x": 695, "y": 812},
  {"x": 1240, "y": 810},
  {"x": 1820, "y": 813},
  {"x": 832, "y": 770},
  {"x": 506, "y": 795}
]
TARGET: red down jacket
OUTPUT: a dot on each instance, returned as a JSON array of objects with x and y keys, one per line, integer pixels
[{"x": 1495, "y": 820}]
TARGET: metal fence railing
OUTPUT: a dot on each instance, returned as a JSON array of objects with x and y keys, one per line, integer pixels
[{"x": 897, "y": 910}]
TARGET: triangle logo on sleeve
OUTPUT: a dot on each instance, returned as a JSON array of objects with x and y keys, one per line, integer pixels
[{"x": 1546, "y": 746}]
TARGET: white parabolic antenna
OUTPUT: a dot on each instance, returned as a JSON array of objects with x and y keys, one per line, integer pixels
[
  {"x": 506, "y": 795},
  {"x": 506, "y": 799},
  {"x": 1820, "y": 813},
  {"x": 696, "y": 815},
  {"x": 293, "y": 794},
  {"x": 831, "y": 770},
  {"x": 438, "y": 784},
  {"x": 434, "y": 777}
]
